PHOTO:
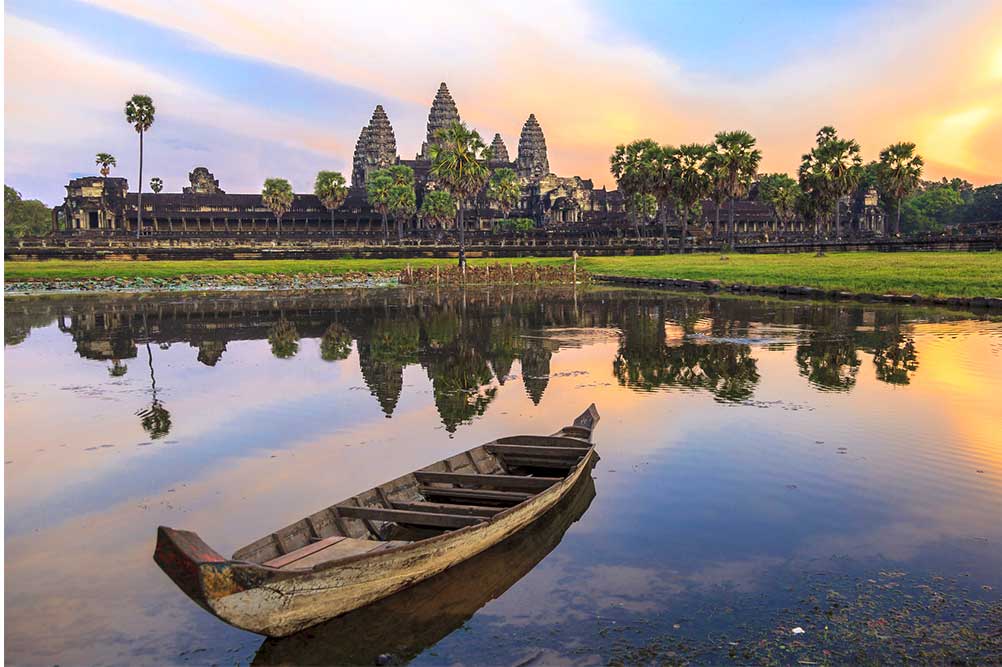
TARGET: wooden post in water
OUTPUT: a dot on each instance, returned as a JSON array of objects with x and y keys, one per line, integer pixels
[
  {"x": 511, "y": 270},
  {"x": 438, "y": 278}
]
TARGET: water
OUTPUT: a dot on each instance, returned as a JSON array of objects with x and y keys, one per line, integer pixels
[{"x": 765, "y": 464}]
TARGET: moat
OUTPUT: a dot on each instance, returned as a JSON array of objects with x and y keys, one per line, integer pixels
[{"x": 765, "y": 465}]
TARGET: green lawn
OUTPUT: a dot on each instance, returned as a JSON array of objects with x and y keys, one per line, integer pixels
[{"x": 925, "y": 273}]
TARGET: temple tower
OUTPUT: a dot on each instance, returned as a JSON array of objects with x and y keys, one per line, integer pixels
[
  {"x": 499, "y": 151},
  {"x": 376, "y": 147},
  {"x": 443, "y": 113},
  {"x": 532, "y": 163}
]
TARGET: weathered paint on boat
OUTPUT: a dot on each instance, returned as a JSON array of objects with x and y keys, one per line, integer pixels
[{"x": 280, "y": 601}]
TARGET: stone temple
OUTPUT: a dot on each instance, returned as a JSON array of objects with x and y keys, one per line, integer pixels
[{"x": 102, "y": 205}]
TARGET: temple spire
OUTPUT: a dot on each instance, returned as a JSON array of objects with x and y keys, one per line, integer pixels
[
  {"x": 443, "y": 113},
  {"x": 532, "y": 163},
  {"x": 376, "y": 147},
  {"x": 499, "y": 152}
]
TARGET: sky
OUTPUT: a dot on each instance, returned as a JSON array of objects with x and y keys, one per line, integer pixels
[{"x": 254, "y": 90}]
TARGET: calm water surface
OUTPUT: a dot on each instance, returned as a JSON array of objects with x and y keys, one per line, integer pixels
[{"x": 765, "y": 465}]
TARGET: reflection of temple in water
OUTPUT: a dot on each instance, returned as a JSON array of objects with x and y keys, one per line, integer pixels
[{"x": 472, "y": 343}]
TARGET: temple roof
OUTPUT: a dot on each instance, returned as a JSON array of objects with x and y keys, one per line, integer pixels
[
  {"x": 442, "y": 114},
  {"x": 499, "y": 152},
  {"x": 532, "y": 163}
]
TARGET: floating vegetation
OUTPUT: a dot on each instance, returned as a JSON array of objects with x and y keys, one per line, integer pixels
[{"x": 491, "y": 274}]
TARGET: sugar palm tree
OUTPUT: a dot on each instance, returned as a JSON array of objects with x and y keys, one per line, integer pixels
[
  {"x": 634, "y": 167},
  {"x": 780, "y": 193},
  {"x": 331, "y": 190},
  {"x": 437, "y": 208},
  {"x": 898, "y": 174},
  {"x": 458, "y": 163},
  {"x": 660, "y": 160},
  {"x": 814, "y": 182},
  {"x": 377, "y": 191},
  {"x": 277, "y": 196},
  {"x": 739, "y": 159},
  {"x": 691, "y": 180},
  {"x": 844, "y": 168},
  {"x": 107, "y": 161},
  {"x": 402, "y": 206},
  {"x": 504, "y": 191},
  {"x": 139, "y": 113},
  {"x": 718, "y": 186}
]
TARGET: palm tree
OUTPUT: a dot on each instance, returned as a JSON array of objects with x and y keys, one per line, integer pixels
[
  {"x": 504, "y": 191},
  {"x": 402, "y": 206},
  {"x": 377, "y": 191},
  {"x": 691, "y": 182},
  {"x": 814, "y": 184},
  {"x": 107, "y": 161},
  {"x": 635, "y": 169},
  {"x": 718, "y": 186},
  {"x": 739, "y": 159},
  {"x": 277, "y": 195},
  {"x": 458, "y": 162},
  {"x": 780, "y": 193},
  {"x": 843, "y": 166},
  {"x": 156, "y": 185},
  {"x": 660, "y": 160},
  {"x": 898, "y": 174},
  {"x": 139, "y": 113},
  {"x": 331, "y": 190},
  {"x": 437, "y": 208}
]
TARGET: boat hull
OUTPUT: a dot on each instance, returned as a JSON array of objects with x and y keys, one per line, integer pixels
[{"x": 278, "y": 603}]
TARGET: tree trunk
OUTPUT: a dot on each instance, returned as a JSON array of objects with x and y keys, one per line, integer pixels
[
  {"x": 139, "y": 196},
  {"x": 663, "y": 212},
  {"x": 386, "y": 232},
  {"x": 278, "y": 218},
  {"x": 462, "y": 238},
  {"x": 684, "y": 231},
  {"x": 897, "y": 220},
  {"x": 730, "y": 224},
  {"x": 332, "y": 223},
  {"x": 838, "y": 220},
  {"x": 400, "y": 230},
  {"x": 716, "y": 220}
]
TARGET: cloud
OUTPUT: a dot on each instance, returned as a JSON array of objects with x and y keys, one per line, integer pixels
[{"x": 895, "y": 75}]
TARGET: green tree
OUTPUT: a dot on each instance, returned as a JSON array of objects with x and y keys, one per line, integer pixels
[
  {"x": 738, "y": 160},
  {"x": 378, "y": 188},
  {"x": 646, "y": 207},
  {"x": 335, "y": 344},
  {"x": 139, "y": 113},
  {"x": 898, "y": 173},
  {"x": 156, "y": 185},
  {"x": 780, "y": 193},
  {"x": 691, "y": 181},
  {"x": 634, "y": 166},
  {"x": 504, "y": 191},
  {"x": 662, "y": 184},
  {"x": 458, "y": 162},
  {"x": 277, "y": 196},
  {"x": 331, "y": 190},
  {"x": 106, "y": 161},
  {"x": 985, "y": 204},
  {"x": 931, "y": 210},
  {"x": 24, "y": 217},
  {"x": 284, "y": 339},
  {"x": 840, "y": 161},
  {"x": 437, "y": 208}
]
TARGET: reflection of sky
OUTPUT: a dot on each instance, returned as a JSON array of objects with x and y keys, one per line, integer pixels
[{"x": 691, "y": 492}]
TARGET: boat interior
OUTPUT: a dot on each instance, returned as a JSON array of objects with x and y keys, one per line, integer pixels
[{"x": 462, "y": 490}]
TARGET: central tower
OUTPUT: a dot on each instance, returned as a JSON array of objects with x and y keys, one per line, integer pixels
[{"x": 443, "y": 113}]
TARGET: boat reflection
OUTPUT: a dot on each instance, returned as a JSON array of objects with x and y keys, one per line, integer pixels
[{"x": 405, "y": 624}]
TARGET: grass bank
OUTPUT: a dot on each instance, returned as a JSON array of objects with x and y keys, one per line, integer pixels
[{"x": 929, "y": 274}]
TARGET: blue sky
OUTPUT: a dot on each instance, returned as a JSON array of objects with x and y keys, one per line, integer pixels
[{"x": 253, "y": 90}]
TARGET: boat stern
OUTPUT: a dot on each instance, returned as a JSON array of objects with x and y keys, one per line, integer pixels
[{"x": 193, "y": 565}]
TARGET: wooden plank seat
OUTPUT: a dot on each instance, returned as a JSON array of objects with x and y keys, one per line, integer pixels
[
  {"x": 409, "y": 517},
  {"x": 502, "y": 482},
  {"x": 327, "y": 549},
  {"x": 446, "y": 508},
  {"x": 574, "y": 453},
  {"x": 512, "y": 460},
  {"x": 479, "y": 495}
]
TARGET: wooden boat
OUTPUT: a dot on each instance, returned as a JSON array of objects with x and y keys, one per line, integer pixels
[
  {"x": 407, "y": 623},
  {"x": 383, "y": 540}
]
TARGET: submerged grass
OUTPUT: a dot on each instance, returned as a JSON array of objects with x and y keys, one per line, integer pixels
[{"x": 925, "y": 273}]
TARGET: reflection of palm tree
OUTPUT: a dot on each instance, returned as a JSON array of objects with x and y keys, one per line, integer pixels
[
  {"x": 335, "y": 344},
  {"x": 156, "y": 418},
  {"x": 284, "y": 339},
  {"x": 118, "y": 369},
  {"x": 895, "y": 358},
  {"x": 829, "y": 361}
]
